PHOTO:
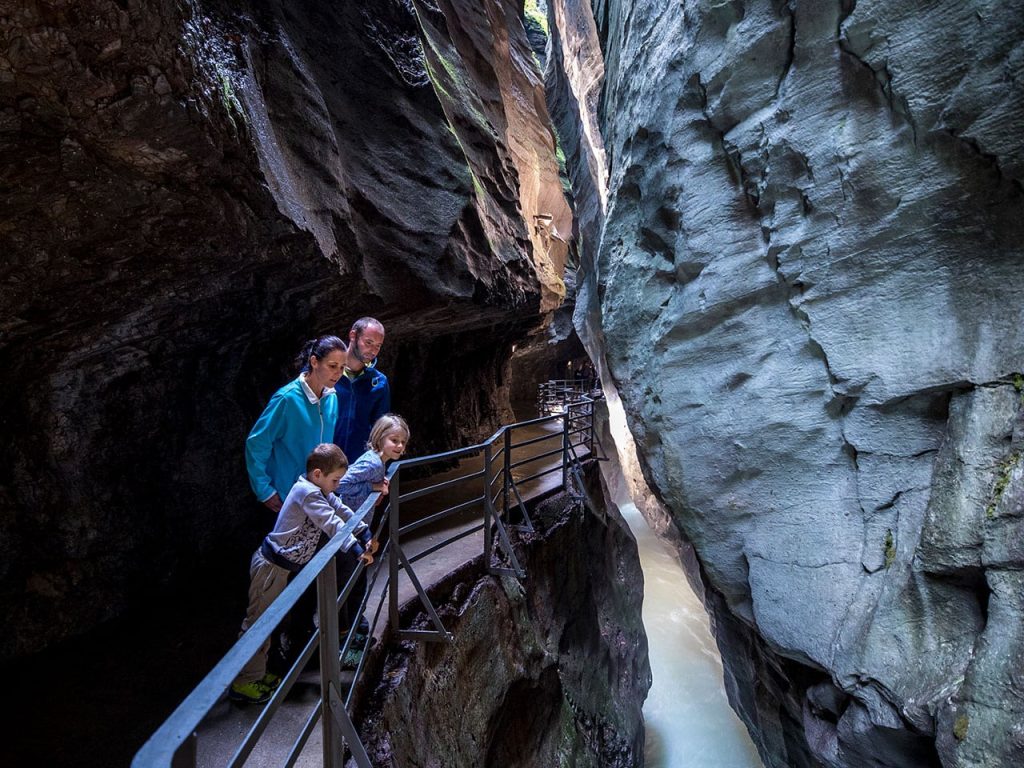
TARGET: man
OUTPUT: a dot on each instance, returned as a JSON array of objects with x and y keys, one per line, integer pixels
[{"x": 363, "y": 392}]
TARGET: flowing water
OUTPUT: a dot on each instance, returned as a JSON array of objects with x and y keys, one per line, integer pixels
[{"x": 687, "y": 718}]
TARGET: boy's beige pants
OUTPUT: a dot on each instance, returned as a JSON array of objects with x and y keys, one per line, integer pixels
[{"x": 267, "y": 582}]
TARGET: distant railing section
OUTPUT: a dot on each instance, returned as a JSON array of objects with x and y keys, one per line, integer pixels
[
  {"x": 492, "y": 491},
  {"x": 555, "y": 395}
]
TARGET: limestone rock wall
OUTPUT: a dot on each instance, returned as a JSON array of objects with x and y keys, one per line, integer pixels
[
  {"x": 192, "y": 189},
  {"x": 565, "y": 684},
  {"x": 807, "y": 288}
]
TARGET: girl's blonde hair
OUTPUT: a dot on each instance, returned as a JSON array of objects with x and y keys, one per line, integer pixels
[{"x": 389, "y": 422}]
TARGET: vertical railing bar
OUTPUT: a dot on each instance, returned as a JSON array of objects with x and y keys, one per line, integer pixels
[
  {"x": 343, "y": 723},
  {"x": 508, "y": 470},
  {"x": 330, "y": 668},
  {"x": 488, "y": 507},
  {"x": 393, "y": 558},
  {"x": 592, "y": 431},
  {"x": 565, "y": 449}
]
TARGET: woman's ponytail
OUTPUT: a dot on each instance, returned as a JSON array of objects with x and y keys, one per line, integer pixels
[{"x": 319, "y": 348}]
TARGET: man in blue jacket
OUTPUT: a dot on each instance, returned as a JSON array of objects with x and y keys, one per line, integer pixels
[{"x": 363, "y": 392}]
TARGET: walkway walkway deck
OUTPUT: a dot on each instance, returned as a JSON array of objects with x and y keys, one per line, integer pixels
[{"x": 227, "y": 723}]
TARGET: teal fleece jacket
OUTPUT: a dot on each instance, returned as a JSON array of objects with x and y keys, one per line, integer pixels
[{"x": 293, "y": 424}]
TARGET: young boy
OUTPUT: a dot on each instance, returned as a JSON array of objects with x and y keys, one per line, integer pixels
[{"x": 311, "y": 507}]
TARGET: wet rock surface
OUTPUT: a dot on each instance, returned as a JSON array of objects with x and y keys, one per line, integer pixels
[
  {"x": 806, "y": 291},
  {"x": 191, "y": 190},
  {"x": 549, "y": 671}
]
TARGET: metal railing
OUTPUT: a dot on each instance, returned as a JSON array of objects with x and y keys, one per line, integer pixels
[
  {"x": 555, "y": 395},
  {"x": 494, "y": 490}
]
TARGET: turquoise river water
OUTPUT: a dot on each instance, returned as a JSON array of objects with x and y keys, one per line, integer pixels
[{"x": 688, "y": 721}]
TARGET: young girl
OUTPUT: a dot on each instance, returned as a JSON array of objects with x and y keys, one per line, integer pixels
[
  {"x": 388, "y": 438},
  {"x": 387, "y": 442}
]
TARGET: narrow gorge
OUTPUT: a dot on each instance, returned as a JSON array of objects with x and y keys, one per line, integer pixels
[
  {"x": 804, "y": 281},
  {"x": 788, "y": 235}
]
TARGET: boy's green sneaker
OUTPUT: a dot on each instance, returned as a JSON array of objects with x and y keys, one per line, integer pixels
[
  {"x": 270, "y": 681},
  {"x": 249, "y": 693}
]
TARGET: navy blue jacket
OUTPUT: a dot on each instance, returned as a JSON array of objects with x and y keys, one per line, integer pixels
[{"x": 361, "y": 401}]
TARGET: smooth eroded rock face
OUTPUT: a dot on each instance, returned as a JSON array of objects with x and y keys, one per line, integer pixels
[
  {"x": 551, "y": 671},
  {"x": 191, "y": 190},
  {"x": 808, "y": 292}
]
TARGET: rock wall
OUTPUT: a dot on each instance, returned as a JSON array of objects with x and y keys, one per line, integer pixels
[
  {"x": 806, "y": 287},
  {"x": 563, "y": 687},
  {"x": 192, "y": 189}
]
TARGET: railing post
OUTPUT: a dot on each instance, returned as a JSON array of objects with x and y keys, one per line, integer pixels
[
  {"x": 393, "y": 523},
  {"x": 506, "y": 478},
  {"x": 566, "y": 420},
  {"x": 488, "y": 508},
  {"x": 591, "y": 443},
  {"x": 330, "y": 668}
]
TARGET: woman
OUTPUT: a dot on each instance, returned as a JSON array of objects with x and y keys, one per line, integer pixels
[{"x": 299, "y": 416}]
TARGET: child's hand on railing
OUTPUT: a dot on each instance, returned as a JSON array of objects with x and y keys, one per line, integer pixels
[
  {"x": 382, "y": 489},
  {"x": 372, "y": 546},
  {"x": 367, "y": 556}
]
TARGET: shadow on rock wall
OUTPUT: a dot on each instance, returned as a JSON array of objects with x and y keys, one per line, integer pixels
[{"x": 192, "y": 189}]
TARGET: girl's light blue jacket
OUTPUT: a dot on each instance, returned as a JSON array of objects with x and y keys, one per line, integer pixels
[
  {"x": 293, "y": 424},
  {"x": 357, "y": 484}
]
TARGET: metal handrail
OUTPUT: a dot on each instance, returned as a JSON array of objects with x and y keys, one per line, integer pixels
[
  {"x": 180, "y": 728},
  {"x": 554, "y": 396},
  {"x": 174, "y": 744}
]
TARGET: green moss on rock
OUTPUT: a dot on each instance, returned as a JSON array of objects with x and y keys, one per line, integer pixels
[
  {"x": 960, "y": 727},
  {"x": 1002, "y": 480}
]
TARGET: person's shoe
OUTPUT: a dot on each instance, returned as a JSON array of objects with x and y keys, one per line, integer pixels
[
  {"x": 359, "y": 633},
  {"x": 249, "y": 693},
  {"x": 351, "y": 658},
  {"x": 270, "y": 681}
]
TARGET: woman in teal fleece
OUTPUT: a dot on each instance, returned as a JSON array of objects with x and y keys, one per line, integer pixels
[{"x": 301, "y": 415}]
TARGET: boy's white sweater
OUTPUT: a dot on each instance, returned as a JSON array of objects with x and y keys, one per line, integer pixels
[{"x": 306, "y": 512}]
